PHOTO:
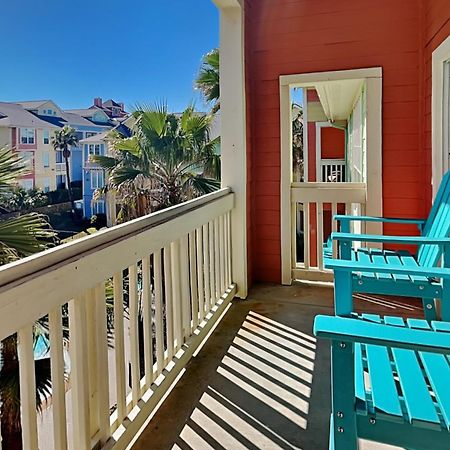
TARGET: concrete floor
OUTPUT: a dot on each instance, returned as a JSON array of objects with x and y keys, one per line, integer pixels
[{"x": 261, "y": 381}]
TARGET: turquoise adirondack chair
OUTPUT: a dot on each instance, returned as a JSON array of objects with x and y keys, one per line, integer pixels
[
  {"x": 397, "y": 273},
  {"x": 390, "y": 381}
]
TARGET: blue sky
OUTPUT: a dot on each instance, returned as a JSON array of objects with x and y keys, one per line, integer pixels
[{"x": 135, "y": 51}]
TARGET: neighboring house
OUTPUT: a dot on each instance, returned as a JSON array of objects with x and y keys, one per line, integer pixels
[
  {"x": 113, "y": 109},
  {"x": 29, "y": 135}
]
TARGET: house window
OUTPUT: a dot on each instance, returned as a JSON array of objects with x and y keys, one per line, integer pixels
[
  {"x": 98, "y": 207},
  {"x": 46, "y": 137},
  {"x": 46, "y": 159},
  {"x": 27, "y": 135},
  {"x": 27, "y": 159},
  {"x": 26, "y": 184},
  {"x": 46, "y": 185},
  {"x": 94, "y": 149},
  {"x": 59, "y": 156},
  {"x": 90, "y": 134},
  {"x": 97, "y": 179},
  {"x": 79, "y": 135},
  {"x": 60, "y": 181}
]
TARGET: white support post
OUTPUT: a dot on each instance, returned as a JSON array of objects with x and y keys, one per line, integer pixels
[{"x": 233, "y": 131}]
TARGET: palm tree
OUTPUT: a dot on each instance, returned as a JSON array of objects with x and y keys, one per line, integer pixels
[
  {"x": 297, "y": 142},
  {"x": 168, "y": 159},
  {"x": 19, "y": 237},
  {"x": 208, "y": 79},
  {"x": 62, "y": 140}
]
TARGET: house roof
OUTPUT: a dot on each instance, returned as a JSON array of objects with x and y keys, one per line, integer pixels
[
  {"x": 109, "y": 103},
  {"x": 15, "y": 115},
  {"x": 100, "y": 137},
  {"x": 29, "y": 104}
]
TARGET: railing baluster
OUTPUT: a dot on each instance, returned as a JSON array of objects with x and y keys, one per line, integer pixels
[
  {"x": 334, "y": 226},
  {"x": 222, "y": 254},
  {"x": 102, "y": 363},
  {"x": 201, "y": 287},
  {"x": 79, "y": 373},
  {"x": 206, "y": 266},
  {"x": 185, "y": 291},
  {"x": 216, "y": 260},
  {"x": 306, "y": 228},
  {"x": 119, "y": 346},
  {"x": 147, "y": 316},
  {"x": 212, "y": 277},
  {"x": 27, "y": 383},
  {"x": 159, "y": 331},
  {"x": 58, "y": 379},
  {"x": 177, "y": 312},
  {"x": 319, "y": 210},
  {"x": 228, "y": 246},
  {"x": 134, "y": 334},
  {"x": 168, "y": 295},
  {"x": 193, "y": 279}
]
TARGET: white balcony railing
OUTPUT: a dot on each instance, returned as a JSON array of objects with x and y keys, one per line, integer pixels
[
  {"x": 332, "y": 171},
  {"x": 166, "y": 278}
]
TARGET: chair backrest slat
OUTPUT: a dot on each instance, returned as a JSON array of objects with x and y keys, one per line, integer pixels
[{"x": 437, "y": 224}]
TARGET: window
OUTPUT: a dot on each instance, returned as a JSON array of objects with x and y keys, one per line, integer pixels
[
  {"x": 59, "y": 156},
  {"x": 46, "y": 137},
  {"x": 79, "y": 135},
  {"x": 98, "y": 207},
  {"x": 90, "y": 134},
  {"x": 27, "y": 135},
  {"x": 94, "y": 149},
  {"x": 60, "y": 181},
  {"x": 27, "y": 159},
  {"x": 46, "y": 184},
  {"x": 46, "y": 159},
  {"x": 26, "y": 184},
  {"x": 97, "y": 179}
]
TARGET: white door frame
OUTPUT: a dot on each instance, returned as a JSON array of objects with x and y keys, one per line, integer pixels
[
  {"x": 374, "y": 203},
  {"x": 440, "y": 144}
]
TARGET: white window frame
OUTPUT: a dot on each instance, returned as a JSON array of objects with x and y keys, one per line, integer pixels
[
  {"x": 440, "y": 114},
  {"x": 99, "y": 177},
  {"x": 98, "y": 207},
  {"x": 29, "y": 135},
  {"x": 46, "y": 137},
  {"x": 89, "y": 134},
  {"x": 27, "y": 184},
  {"x": 94, "y": 149},
  {"x": 46, "y": 184}
]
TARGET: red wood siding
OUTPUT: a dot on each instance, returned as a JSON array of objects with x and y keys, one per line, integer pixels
[
  {"x": 301, "y": 36},
  {"x": 332, "y": 142}
]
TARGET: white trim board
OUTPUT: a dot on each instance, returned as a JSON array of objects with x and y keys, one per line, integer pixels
[{"x": 440, "y": 55}]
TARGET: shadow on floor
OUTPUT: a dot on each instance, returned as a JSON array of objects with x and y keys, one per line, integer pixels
[{"x": 261, "y": 381}]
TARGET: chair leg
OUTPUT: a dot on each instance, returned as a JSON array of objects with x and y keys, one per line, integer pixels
[
  {"x": 429, "y": 308},
  {"x": 343, "y": 434}
]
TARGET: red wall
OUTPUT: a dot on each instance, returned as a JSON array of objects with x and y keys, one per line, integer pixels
[
  {"x": 301, "y": 36},
  {"x": 332, "y": 142}
]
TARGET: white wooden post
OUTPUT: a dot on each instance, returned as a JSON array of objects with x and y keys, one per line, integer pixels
[{"x": 233, "y": 131}]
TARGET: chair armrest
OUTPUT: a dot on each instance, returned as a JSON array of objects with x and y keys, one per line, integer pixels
[
  {"x": 419, "y": 222},
  {"x": 409, "y": 240},
  {"x": 357, "y": 330},
  {"x": 345, "y": 265}
]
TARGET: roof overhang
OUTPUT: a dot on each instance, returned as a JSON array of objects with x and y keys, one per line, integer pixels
[{"x": 223, "y": 4}]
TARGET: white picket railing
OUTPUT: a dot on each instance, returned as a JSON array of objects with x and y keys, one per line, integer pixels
[
  {"x": 332, "y": 171},
  {"x": 313, "y": 206},
  {"x": 162, "y": 281}
]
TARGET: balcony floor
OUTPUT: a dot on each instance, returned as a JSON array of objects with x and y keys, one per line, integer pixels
[{"x": 261, "y": 381}]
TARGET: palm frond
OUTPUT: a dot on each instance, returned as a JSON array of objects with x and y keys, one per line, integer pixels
[{"x": 11, "y": 167}]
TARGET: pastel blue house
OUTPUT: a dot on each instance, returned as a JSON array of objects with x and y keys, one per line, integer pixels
[{"x": 93, "y": 175}]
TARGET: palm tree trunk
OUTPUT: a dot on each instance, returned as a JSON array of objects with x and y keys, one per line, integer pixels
[
  {"x": 69, "y": 187},
  {"x": 11, "y": 426}
]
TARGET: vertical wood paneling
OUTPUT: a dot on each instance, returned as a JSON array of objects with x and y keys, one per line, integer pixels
[
  {"x": 58, "y": 379},
  {"x": 200, "y": 269},
  {"x": 147, "y": 313},
  {"x": 79, "y": 373},
  {"x": 159, "y": 331},
  {"x": 103, "y": 364},
  {"x": 222, "y": 254},
  {"x": 185, "y": 289},
  {"x": 119, "y": 346},
  {"x": 168, "y": 293},
  {"x": 216, "y": 260},
  {"x": 193, "y": 279},
  {"x": 27, "y": 388},
  {"x": 212, "y": 278},
  {"x": 176, "y": 289},
  {"x": 134, "y": 334},
  {"x": 206, "y": 266}
]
